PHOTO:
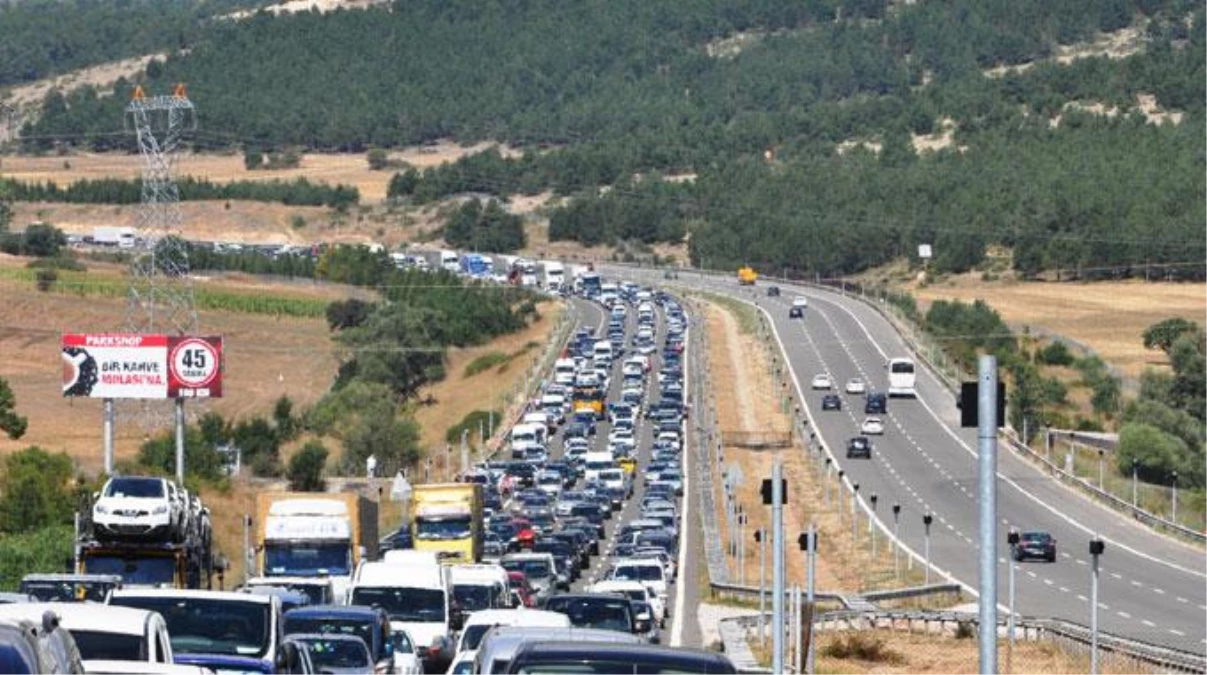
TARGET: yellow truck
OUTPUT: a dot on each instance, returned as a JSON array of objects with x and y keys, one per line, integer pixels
[
  {"x": 312, "y": 534},
  {"x": 447, "y": 518},
  {"x": 746, "y": 276}
]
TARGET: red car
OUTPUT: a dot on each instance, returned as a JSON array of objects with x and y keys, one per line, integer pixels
[{"x": 519, "y": 584}]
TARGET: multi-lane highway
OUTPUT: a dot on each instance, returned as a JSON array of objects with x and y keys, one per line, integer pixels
[{"x": 1152, "y": 588}]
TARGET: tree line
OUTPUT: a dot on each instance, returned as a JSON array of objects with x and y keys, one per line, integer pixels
[{"x": 297, "y": 192}]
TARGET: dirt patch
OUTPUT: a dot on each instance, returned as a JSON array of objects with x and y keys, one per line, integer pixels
[
  {"x": 938, "y": 140},
  {"x": 294, "y": 6},
  {"x": 457, "y": 395},
  {"x": 848, "y": 145},
  {"x": 938, "y": 654},
  {"x": 266, "y": 357},
  {"x": 748, "y": 402},
  {"x": 1117, "y": 45},
  {"x": 1107, "y": 316}
]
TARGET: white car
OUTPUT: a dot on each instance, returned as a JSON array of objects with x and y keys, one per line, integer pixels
[
  {"x": 635, "y": 590},
  {"x": 856, "y": 386},
  {"x": 872, "y": 426},
  {"x": 822, "y": 381},
  {"x": 406, "y": 661},
  {"x": 138, "y": 507}
]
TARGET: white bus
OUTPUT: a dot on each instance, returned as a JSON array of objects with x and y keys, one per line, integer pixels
[{"x": 901, "y": 378}]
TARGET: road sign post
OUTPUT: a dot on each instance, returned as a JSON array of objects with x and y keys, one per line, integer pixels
[
  {"x": 760, "y": 535},
  {"x": 773, "y": 492},
  {"x": 1097, "y": 547},
  {"x": 808, "y": 544},
  {"x": 1012, "y": 541},
  {"x": 897, "y": 543},
  {"x": 927, "y": 519}
]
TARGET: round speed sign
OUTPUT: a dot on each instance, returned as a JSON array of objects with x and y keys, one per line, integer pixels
[{"x": 194, "y": 363}]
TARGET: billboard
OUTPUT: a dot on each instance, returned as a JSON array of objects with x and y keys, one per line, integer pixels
[{"x": 132, "y": 365}]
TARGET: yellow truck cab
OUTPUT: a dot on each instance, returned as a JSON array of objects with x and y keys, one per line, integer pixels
[
  {"x": 446, "y": 518},
  {"x": 747, "y": 276}
]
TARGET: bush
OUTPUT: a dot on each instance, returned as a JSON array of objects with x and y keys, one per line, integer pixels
[
  {"x": 1156, "y": 452},
  {"x": 485, "y": 362},
  {"x": 862, "y": 647},
  {"x": 201, "y": 458},
  {"x": 46, "y": 550},
  {"x": 44, "y": 279},
  {"x": 470, "y": 422},
  {"x": 378, "y": 159},
  {"x": 60, "y": 262},
  {"x": 36, "y": 491},
  {"x": 1056, "y": 354},
  {"x": 306, "y": 468}
]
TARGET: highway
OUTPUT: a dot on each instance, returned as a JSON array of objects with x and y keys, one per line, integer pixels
[
  {"x": 1152, "y": 588},
  {"x": 592, "y": 315}
]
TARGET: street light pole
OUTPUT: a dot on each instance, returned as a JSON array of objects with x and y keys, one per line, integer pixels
[
  {"x": 854, "y": 514},
  {"x": 826, "y": 483},
  {"x": 1173, "y": 484},
  {"x": 1096, "y": 549},
  {"x": 1012, "y": 540},
  {"x": 1101, "y": 464},
  {"x": 760, "y": 535},
  {"x": 838, "y": 497},
  {"x": 871, "y": 526},
  {"x": 897, "y": 543},
  {"x": 1135, "y": 481},
  {"x": 926, "y": 521}
]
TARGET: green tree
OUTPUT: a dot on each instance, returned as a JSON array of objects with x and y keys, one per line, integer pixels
[
  {"x": 11, "y": 423},
  {"x": 1163, "y": 334},
  {"x": 1157, "y": 453},
  {"x": 43, "y": 241},
  {"x": 201, "y": 459},
  {"x": 260, "y": 445},
  {"x": 35, "y": 490},
  {"x": 44, "y": 549},
  {"x": 378, "y": 159},
  {"x": 282, "y": 417},
  {"x": 364, "y": 417},
  {"x": 306, "y": 468}
]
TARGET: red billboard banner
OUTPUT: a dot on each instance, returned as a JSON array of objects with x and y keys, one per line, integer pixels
[{"x": 128, "y": 365}]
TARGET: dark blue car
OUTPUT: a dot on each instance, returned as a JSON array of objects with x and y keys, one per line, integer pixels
[{"x": 370, "y": 624}]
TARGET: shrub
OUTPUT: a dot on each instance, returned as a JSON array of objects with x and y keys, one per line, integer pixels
[
  {"x": 470, "y": 422},
  {"x": 44, "y": 279},
  {"x": 1056, "y": 354},
  {"x": 861, "y": 646},
  {"x": 46, "y": 550},
  {"x": 485, "y": 362},
  {"x": 306, "y": 468},
  {"x": 37, "y": 491}
]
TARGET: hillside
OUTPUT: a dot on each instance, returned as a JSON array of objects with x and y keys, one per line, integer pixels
[{"x": 826, "y": 137}]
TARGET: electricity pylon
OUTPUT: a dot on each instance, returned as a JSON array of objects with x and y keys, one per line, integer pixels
[{"x": 160, "y": 296}]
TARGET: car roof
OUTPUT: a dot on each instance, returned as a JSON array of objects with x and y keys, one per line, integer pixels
[
  {"x": 86, "y": 616},
  {"x": 334, "y": 611},
  {"x": 579, "y": 650},
  {"x": 181, "y": 594},
  {"x": 111, "y": 666},
  {"x": 517, "y": 617}
]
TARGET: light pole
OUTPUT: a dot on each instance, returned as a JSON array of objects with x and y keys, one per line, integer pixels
[
  {"x": 1135, "y": 481},
  {"x": 1012, "y": 540},
  {"x": 1096, "y": 549},
  {"x": 871, "y": 526},
  {"x": 760, "y": 535},
  {"x": 1173, "y": 484},
  {"x": 1101, "y": 464},
  {"x": 927, "y": 519},
  {"x": 810, "y": 576},
  {"x": 854, "y": 516},
  {"x": 897, "y": 543},
  {"x": 838, "y": 497},
  {"x": 826, "y": 484}
]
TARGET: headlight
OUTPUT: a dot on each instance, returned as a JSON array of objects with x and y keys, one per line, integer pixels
[
  {"x": 160, "y": 509},
  {"x": 101, "y": 508}
]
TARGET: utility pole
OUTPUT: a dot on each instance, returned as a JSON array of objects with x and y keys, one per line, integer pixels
[
  {"x": 159, "y": 298},
  {"x": 987, "y": 507}
]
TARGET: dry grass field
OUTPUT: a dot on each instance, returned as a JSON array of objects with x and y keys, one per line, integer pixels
[
  {"x": 1107, "y": 316},
  {"x": 266, "y": 357},
  {"x": 457, "y": 395}
]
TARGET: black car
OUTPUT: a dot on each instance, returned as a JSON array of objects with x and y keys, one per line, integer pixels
[
  {"x": 1035, "y": 545},
  {"x": 859, "y": 446},
  {"x": 796, "y": 313},
  {"x": 831, "y": 402},
  {"x": 773, "y": 291},
  {"x": 611, "y": 657},
  {"x": 876, "y": 403}
]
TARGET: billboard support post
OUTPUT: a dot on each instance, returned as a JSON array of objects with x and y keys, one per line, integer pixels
[
  {"x": 180, "y": 442},
  {"x": 107, "y": 420}
]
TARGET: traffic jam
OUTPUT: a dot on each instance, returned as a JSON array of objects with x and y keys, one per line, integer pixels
[{"x": 558, "y": 554}]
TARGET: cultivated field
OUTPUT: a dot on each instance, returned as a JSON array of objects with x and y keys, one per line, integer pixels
[{"x": 1106, "y": 316}]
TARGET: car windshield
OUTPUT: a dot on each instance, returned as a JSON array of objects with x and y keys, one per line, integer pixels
[
  {"x": 146, "y": 488},
  {"x": 306, "y": 560},
  {"x": 427, "y": 529},
  {"x": 1036, "y": 537},
  {"x": 473, "y": 598},
  {"x": 98, "y": 646},
  {"x": 209, "y": 626},
  {"x": 403, "y": 604},
  {"x": 637, "y": 573},
  {"x": 360, "y": 628},
  {"x": 329, "y": 653},
  {"x": 603, "y": 613}
]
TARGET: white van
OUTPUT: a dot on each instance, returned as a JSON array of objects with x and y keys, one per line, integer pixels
[
  {"x": 563, "y": 371},
  {"x": 602, "y": 352},
  {"x": 524, "y": 436},
  {"x": 117, "y": 635},
  {"x": 597, "y": 462},
  {"x": 539, "y": 418},
  {"x": 417, "y": 595},
  {"x": 450, "y": 262},
  {"x": 554, "y": 406}
]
